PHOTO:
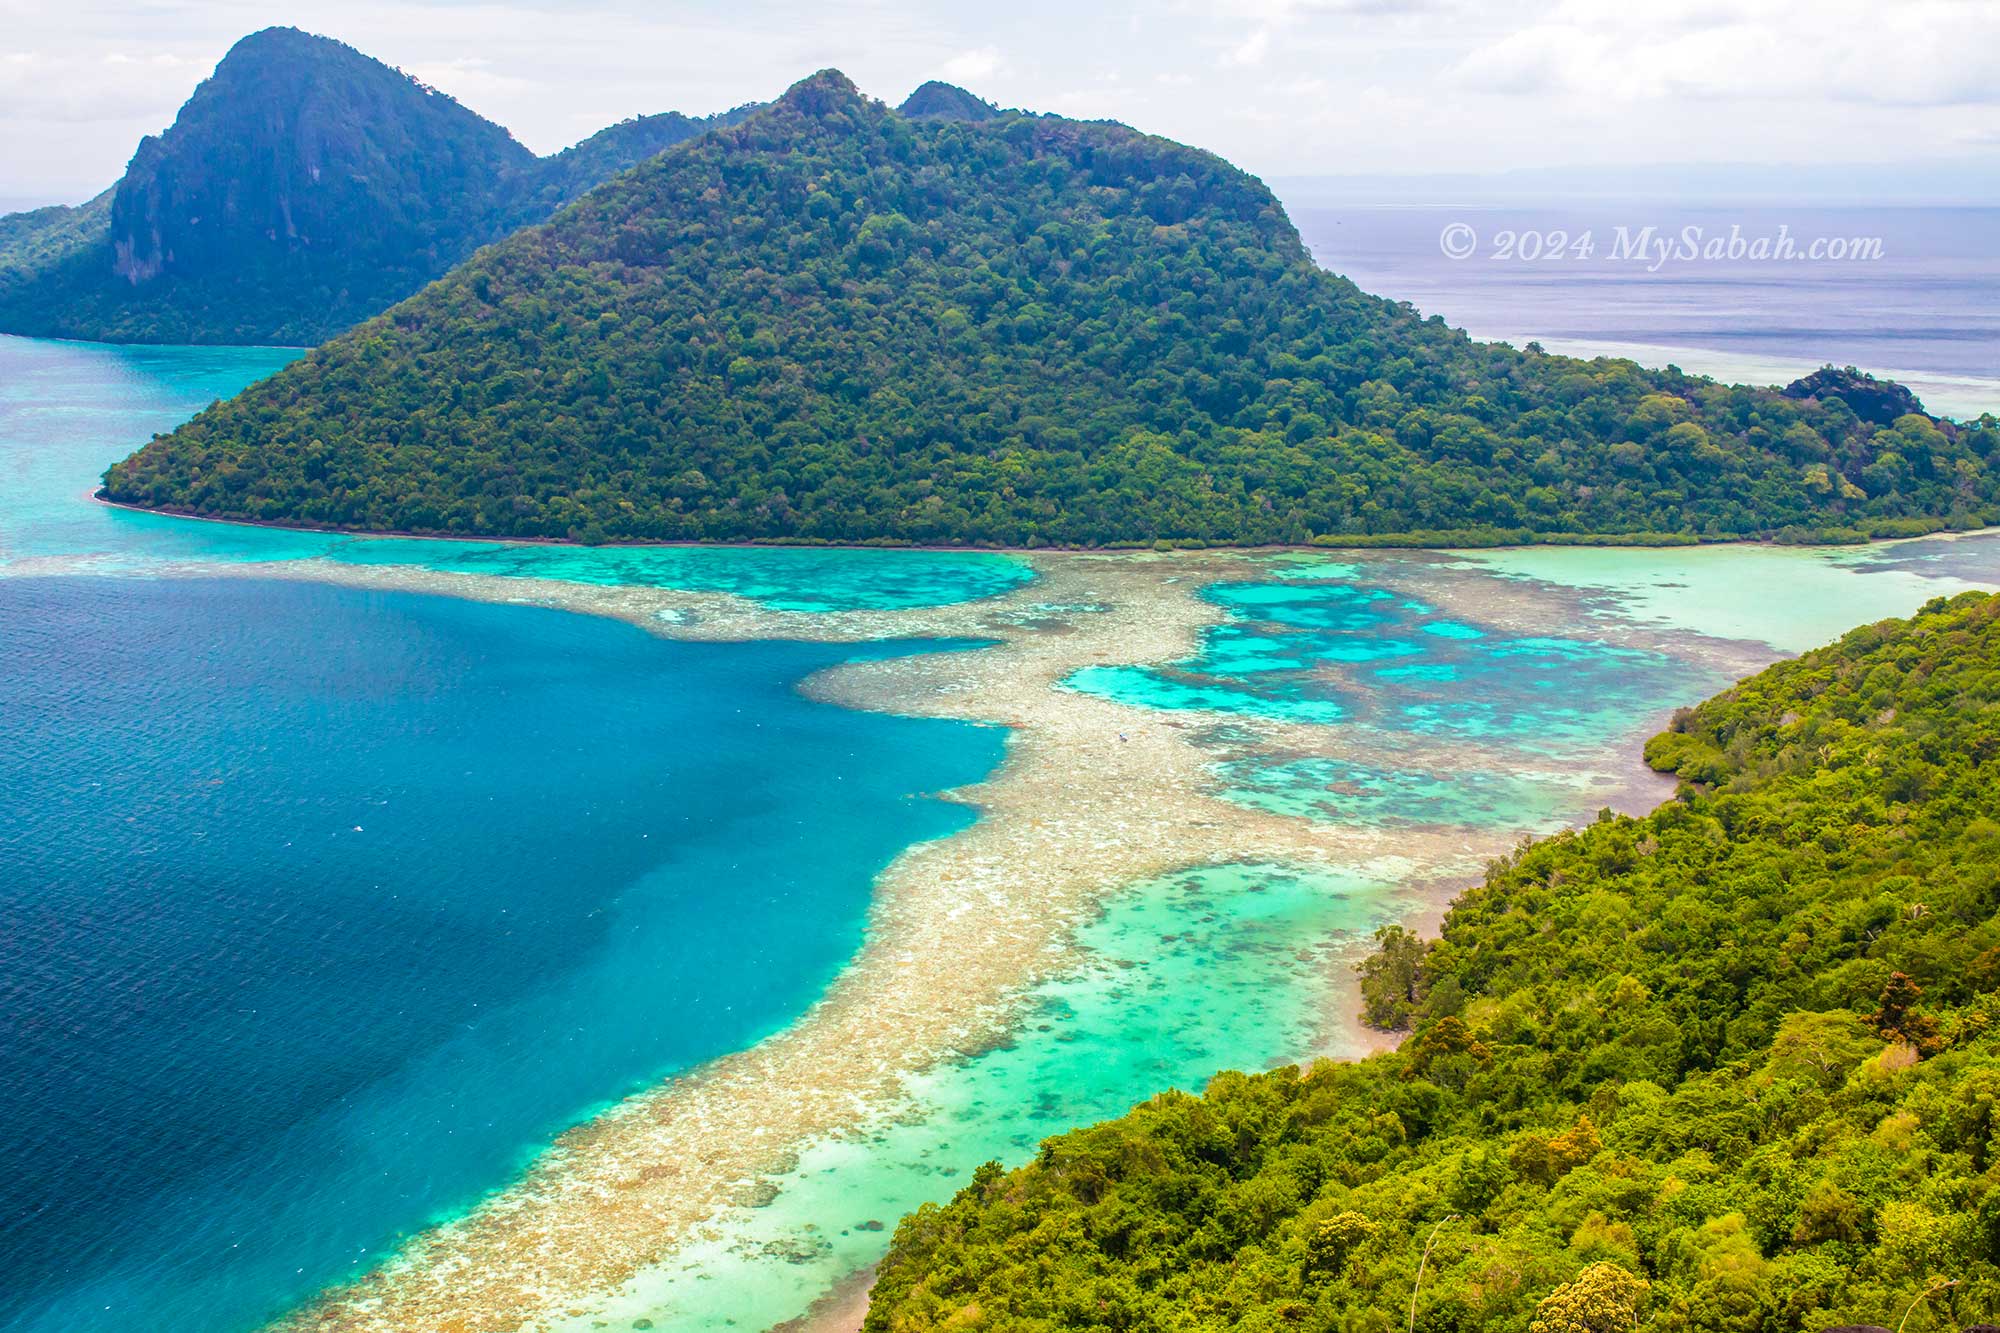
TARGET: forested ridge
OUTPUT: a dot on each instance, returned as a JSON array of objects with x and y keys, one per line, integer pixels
[
  {"x": 302, "y": 188},
  {"x": 1731, "y": 1066},
  {"x": 832, "y": 322},
  {"x": 32, "y": 240}
]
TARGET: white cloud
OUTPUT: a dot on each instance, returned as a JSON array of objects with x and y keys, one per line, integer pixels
[
  {"x": 1251, "y": 50},
  {"x": 469, "y": 79},
  {"x": 1920, "y": 53},
  {"x": 1282, "y": 11},
  {"x": 71, "y": 87},
  {"x": 969, "y": 66},
  {"x": 1283, "y": 87}
]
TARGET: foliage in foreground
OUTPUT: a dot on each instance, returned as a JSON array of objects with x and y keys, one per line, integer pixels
[
  {"x": 831, "y": 322},
  {"x": 1730, "y": 1066}
]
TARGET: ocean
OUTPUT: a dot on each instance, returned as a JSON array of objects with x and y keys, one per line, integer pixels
[
  {"x": 323, "y": 910},
  {"x": 1926, "y": 312}
]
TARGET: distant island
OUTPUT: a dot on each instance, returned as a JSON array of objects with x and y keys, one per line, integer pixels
[
  {"x": 303, "y": 188},
  {"x": 1728, "y": 1066},
  {"x": 835, "y": 322}
]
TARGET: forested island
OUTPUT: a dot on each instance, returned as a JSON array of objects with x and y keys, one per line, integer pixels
[
  {"x": 303, "y": 188},
  {"x": 1728, "y": 1066},
  {"x": 833, "y": 322}
]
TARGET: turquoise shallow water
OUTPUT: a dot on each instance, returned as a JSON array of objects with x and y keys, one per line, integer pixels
[
  {"x": 1234, "y": 966},
  {"x": 1318, "y": 643},
  {"x": 1789, "y": 597},
  {"x": 1225, "y": 968},
  {"x": 320, "y": 910},
  {"x": 1352, "y": 793},
  {"x": 68, "y": 410},
  {"x": 480, "y": 953},
  {"x": 783, "y": 578}
]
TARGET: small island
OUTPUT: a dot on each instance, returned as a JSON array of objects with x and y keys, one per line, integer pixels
[
  {"x": 727, "y": 727},
  {"x": 832, "y": 322}
]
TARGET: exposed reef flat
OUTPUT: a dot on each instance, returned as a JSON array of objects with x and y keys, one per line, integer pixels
[
  {"x": 1095, "y": 795},
  {"x": 1445, "y": 787}
]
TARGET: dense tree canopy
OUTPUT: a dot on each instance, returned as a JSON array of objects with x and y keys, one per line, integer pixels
[
  {"x": 35, "y": 239},
  {"x": 1730, "y": 1067},
  {"x": 834, "y": 323},
  {"x": 530, "y": 196},
  {"x": 936, "y": 98}
]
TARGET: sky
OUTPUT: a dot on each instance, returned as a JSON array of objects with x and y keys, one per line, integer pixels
[{"x": 1284, "y": 88}]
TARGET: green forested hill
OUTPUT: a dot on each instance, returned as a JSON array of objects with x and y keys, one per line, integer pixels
[
  {"x": 1728, "y": 1067},
  {"x": 301, "y": 189},
  {"x": 530, "y": 196},
  {"x": 832, "y": 322},
  {"x": 42, "y": 236},
  {"x": 947, "y": 101}
]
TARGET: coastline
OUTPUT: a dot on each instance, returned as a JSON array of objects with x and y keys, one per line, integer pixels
[
  {"x": 957, "y": 928},
  {"x": 1962, "y": 397},
  {"x": 840, "y": 1310},
  {"x": 1035, "y": 610},
  {"x": 1363, "y": 543},
  {"x": 960, "y": 929}
]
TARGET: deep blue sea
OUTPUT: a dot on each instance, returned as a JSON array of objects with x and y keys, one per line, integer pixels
[
  {"x": 1926, "y": 311},
  {"x": 321, "y": 909}
]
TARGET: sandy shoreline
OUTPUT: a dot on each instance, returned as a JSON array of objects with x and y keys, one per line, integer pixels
[
  {"x": 840, "y": 1310},
  {"x": 1378, "y": 544},
  {"x": 1093, "y": 796}
]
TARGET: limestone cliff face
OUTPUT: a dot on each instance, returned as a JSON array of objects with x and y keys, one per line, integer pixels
[
  {"x": 303, "y": 188},
  {"x": 301, "y": 148},
  {"x": 138, "y": 247}
]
